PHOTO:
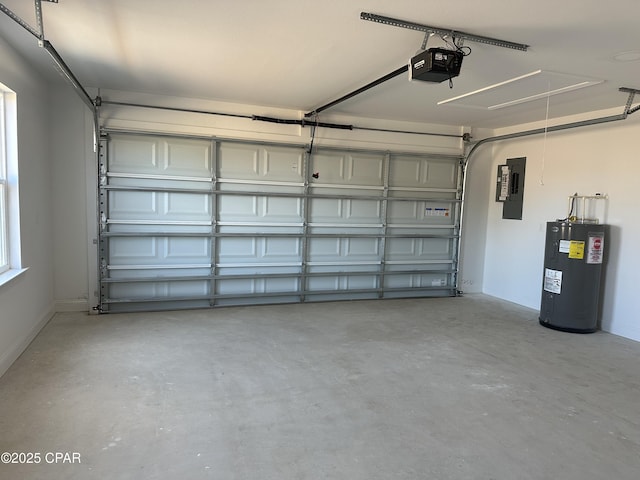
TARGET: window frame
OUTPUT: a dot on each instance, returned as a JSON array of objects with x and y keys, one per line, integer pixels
[
  {"x": 10, "y": 248},
  {"x": 5, "y": 264}
]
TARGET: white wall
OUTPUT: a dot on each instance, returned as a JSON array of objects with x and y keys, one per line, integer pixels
[
  {"x": 588, "y": 160},
  {"x": 26, "y": 302},
  {"x": 70, "y": 198}
]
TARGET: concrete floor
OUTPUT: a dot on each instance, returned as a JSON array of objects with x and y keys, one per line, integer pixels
[{"x": 455, "y": 388}]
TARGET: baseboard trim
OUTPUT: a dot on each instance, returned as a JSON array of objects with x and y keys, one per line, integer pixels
[
  {"x": 72, "y": 306},
  {"x": 7, "y": 359}
]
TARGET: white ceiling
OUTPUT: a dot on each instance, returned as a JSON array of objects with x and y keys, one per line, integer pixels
[{"x": 301, "y": 54}]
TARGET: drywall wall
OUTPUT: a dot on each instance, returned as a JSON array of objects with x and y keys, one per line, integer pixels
[
  {"x": 589, "y": 160},
  {"x": 69, "y": 184},
  {"x": 27, "y": 301},
  {"x": 477, "y": 188}
]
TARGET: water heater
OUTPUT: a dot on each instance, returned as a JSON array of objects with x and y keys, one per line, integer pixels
[{"x": 573, "y": 266}]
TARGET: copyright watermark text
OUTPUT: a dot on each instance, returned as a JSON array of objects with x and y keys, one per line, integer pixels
[{"x": 35, "y": 458}]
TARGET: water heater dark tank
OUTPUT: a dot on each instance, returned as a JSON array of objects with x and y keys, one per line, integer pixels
[{"x": 573, "y": 263}]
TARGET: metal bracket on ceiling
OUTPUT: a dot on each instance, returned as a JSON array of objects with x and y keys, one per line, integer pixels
[
  {"x": 39, "y": 19},
  {"x": 39, "y": 34},
  {"x": 628, "y": 110},
  {"x": 48, "y": 47},
  {"x": 427, "y": 36},
  {"x": 394, "y": 22},
  {"x": 19, "y": 20},
  {"x": 40, "y": 22}
]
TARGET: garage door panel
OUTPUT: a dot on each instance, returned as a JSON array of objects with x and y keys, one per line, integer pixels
[
  {"x": 344, "y": 250},
  {"x": 159, "y": 206},
  {"x": 324, "y": 248},
  {"x": 163, "y": 290},
  {"x": 275, "y": 285},
  {"x": 146, "y": 155},
  {"x": 260, "y": 163},
  {"x": 278, "y": 209},
  {"x": 238, "y": 161},
  {"x": 348, "y": 211},
  {"x": 187, "y": 158},
  {"x": 342, "y": 283},
  {"x": 423, "y": 172},
  {"x": 365, "y": 169},
  {"x": 186, "y": 206},
  {"x": 158, "y": 251},
  {"x": 325, "y": 210},
  {"x": 134, "y": 155},
  {"x": 129, "y": 250},
  {"x": 416, "y": 281},
  {"x": 235, "y": 208},
  {"x": 235, "y": 250},
  {"x": 282, "y": 164},
  {"x": 247, "y": 208},
  {"x": 292, "y": 271},
  {"x": 189, "y": 222},
  {"x": 282, "y": 248},
  {"x": 323, "y": 283},
  {"x": 126, "y": 205},
  {"x": 229, "y": 287},
  {"x": 257, "y": 286},
  {"x": 121, "y": 273},
  {"x": 348, "y": 168},
  {"x": 344, "y": 295},
  {"x": 361, "y": 248},
  {"x": 418, "y": 249},
  {"x": 188, "y": 249},
  {"x": 362, "y": 211},
  {"x": 421, "y": 213}
]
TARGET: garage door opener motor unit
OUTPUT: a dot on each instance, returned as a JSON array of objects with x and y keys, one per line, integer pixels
[{"x": 435, "y": 65}]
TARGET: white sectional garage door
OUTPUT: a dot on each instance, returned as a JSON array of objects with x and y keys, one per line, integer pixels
[{"x": 200, "y": 222}]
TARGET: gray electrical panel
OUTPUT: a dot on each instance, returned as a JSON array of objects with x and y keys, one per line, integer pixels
[
  {"x": 573, "y": 263},
  {"x": 510, "y": 187}
]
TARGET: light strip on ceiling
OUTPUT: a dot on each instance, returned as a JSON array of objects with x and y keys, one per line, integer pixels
[
  {"x": 531, "y": 98},
  {"x": 490, "y": 87},
  {"x": 523, "y": 88}
]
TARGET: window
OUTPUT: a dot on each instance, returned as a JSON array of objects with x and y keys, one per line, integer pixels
[
  {"x": 4, "y": 240},
  {"x": 9, "y": 212}
]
